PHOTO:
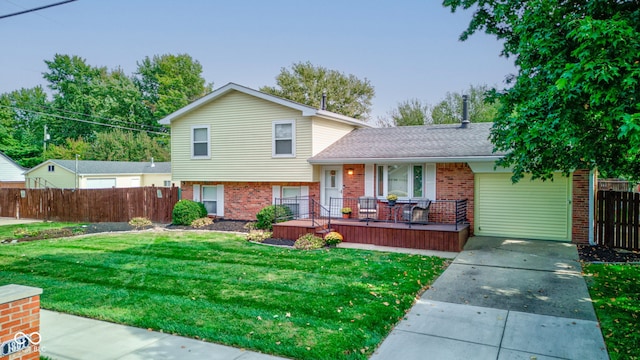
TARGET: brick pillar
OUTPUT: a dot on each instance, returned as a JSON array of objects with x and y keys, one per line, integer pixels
[{"x": 19, "y": 322}]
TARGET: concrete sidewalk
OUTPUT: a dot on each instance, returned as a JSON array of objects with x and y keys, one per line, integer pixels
[
  {"x": 68, "y": 337},
  {"x": 14, "y": 221},
  {"x": 502, "y": 299}
]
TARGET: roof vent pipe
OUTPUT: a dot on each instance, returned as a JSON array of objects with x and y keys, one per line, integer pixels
[
  {"x": 465, "y": 112},
  {"x": 323, "y": 104},
  {"x": 153, "y": 164}
]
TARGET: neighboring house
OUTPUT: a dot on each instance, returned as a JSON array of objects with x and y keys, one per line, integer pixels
[
  {"x": 238, "y": 149},
  {"x": 89, "y": 174},
  {"x": 11, "y": 174}
]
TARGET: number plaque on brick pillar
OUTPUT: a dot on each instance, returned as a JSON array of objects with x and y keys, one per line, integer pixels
[{"x": 19, "y": 322}]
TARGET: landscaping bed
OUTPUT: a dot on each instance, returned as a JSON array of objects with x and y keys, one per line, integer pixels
[
  {"x": 44, "y": 230},
  {"x": 605, "y": 254}
]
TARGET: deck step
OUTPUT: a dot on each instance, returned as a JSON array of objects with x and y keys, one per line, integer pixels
[{"x": 323, "y": 231}]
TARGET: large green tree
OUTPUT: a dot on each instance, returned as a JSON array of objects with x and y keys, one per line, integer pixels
[
  {"x": 575, "y": 101},
  {"x": 305, "y": 83},
  {"x": 408, "y": 113},
  {"x": 22, "y": 125},
  {"x": 481, "y": 109},
  {"x": 169, "y": 82},
  {"x": 85, "y": 96}
]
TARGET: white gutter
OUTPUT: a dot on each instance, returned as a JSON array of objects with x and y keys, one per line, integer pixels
[
  {"x": 447, "y": 159},
  {"x": 592, "y": 183}
]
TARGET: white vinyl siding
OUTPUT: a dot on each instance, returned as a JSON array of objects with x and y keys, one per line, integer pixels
[
  {"x": 200, "y": 142},
  {"x": 527, "y": 209},
  {"x": 9, "y": 171},
  {"x": 242, "y": 142},
  {"x": 326, "y": 132}
]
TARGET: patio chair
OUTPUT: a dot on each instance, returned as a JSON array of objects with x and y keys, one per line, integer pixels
[
  {"x": 417, "y": 212},
  {"x": 367, "y": 207}
]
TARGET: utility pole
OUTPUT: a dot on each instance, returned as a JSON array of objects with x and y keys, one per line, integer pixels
[
  {"x": 46, "y": 138},
  {"x": 77, "y": 185}
]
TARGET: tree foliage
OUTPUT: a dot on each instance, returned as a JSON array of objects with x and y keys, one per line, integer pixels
[
  {"x": 575, "y": 101},
  {"x": 481, "y": 109},
  {"x": 408, "y": 113},
  {"x": 22, "y": 125},
  {"x": 305, "y": 83},
  {"x": 88, "y": 103},
  {"x": 169, "y": 82}
]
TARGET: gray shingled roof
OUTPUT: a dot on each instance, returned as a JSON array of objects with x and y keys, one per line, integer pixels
[
  {"x": 115, "y": 167},
  {"x": 411, "y": 142}
]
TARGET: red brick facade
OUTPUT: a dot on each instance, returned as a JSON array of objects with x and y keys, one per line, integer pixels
[
  {"x": 243, "y": 200},
  {"x": 454, "y": 181},
  {"x": 21, "y": 315},
  {"x": 580, "y": 207},
  {"x": 354, "y": 183}
]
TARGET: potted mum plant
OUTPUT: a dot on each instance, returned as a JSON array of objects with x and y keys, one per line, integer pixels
[
  {"x": 346, "y": 212},
  {"x": 392, "y": 198}
]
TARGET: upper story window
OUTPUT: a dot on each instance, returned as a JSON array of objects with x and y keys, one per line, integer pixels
[
  {"x": 200, "y": 146},
  {"x": 51, "y": 168},
  {"x": 284, "y": 138}
]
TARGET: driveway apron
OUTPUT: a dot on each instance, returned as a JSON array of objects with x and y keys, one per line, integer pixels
[{"x": 502, "y": 299}]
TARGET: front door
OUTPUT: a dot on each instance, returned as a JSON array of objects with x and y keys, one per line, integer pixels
[{"x": 332, "y": 190}]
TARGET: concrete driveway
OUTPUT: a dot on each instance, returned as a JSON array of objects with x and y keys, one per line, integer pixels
[
  {"x": 13, "y": 221},
  {"x": 502, "y": 299}
]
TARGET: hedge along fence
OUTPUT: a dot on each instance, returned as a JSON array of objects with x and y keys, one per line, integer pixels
[{"x": 89, "y": 205}]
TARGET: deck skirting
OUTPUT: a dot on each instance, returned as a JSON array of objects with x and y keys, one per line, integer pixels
[{"x": 442, "y": 237}]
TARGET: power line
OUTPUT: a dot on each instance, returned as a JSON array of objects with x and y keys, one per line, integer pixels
[
  {"x": 36, "y": 9},
  {"x": 154, "y": 128},
  {"x": 84, "y": 121}
]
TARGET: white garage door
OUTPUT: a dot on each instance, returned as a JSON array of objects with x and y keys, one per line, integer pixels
[
  {"x": 101, "y": 183},
  {"x": 528, "y": 209}
]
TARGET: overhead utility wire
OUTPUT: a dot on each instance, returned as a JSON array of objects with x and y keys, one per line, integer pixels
[
  {"x": 84, "y": 121},
  {"x": 35, "y": 9},
  {"x": 155, "y": 128}
]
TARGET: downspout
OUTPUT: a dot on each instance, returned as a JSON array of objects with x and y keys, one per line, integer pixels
[{"x": 592, "y": 182}]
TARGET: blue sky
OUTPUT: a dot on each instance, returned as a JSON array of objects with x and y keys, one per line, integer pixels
[{"x": 407, "y": 49}]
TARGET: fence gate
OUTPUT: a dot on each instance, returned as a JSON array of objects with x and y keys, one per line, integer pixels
[{"x": 617, "y": 223}]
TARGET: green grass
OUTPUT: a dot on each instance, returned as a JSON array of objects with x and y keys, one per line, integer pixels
[
  {"x": 8, "y": 231},
  {"x": 615, "y": 292},
  {"x": 323, "y": 304}
]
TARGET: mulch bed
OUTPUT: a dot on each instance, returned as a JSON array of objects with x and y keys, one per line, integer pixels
[
  {"x": 218, "y": 225},
  {"x": 105, "y": 227},
  {"x": 601, "y": 253},
  {"x": 279, "y": 242}
]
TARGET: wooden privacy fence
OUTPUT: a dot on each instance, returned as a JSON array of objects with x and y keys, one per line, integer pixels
[
  {"x": 89, "y": 205},
  {"x": 618, "y": 219}
]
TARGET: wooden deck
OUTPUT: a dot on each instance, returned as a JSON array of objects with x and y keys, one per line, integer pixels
[{"x": 443, "y": 237}]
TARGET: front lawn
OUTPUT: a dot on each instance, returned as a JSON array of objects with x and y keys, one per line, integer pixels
[
  {"x": 615, "y": 292},
  {"x": 325, "y": 304}
]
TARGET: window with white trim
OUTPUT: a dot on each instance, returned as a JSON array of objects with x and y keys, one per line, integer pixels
[
  {"x": 210, "y": 198},
  {"x": 51, "y": 168},
  {"x": 284, "y": 138},
  {"x": 407, "y": 181},
  {"x": 200, "y": 142},
  {"x": 167, "y": 183}
]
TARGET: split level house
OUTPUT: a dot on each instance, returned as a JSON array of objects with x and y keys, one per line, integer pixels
[
  {"x": 238, "y": 150},
  {"x": 11, "y": 173},
  {"x": 90, "y": 174}
]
